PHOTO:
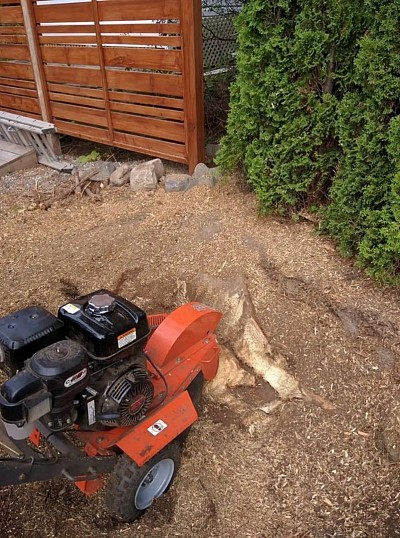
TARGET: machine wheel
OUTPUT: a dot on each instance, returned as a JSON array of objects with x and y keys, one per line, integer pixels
[{"x": 131, "y": 490}]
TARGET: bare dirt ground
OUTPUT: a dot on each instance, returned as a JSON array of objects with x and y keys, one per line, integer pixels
[{"x": 301, "y": 473}]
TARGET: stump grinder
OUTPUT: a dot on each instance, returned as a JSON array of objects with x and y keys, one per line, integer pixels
[{"x": 102, "y": 388}]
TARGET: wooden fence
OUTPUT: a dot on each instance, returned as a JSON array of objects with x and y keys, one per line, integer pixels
[{"x": 126, "y": 73}]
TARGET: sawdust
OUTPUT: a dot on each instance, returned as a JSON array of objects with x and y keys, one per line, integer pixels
[{"x": 301, "y": 472}]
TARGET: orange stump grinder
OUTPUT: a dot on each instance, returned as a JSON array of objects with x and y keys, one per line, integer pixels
[{"x": 103, "y": 388}]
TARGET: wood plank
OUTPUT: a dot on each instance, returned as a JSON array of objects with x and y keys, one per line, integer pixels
[
  {"x": 153, "y": 100},
  {"x": 156, "y": 128},
  {"x": 119, "y": 10},
  {"x": 71, "y": 12},
  {"x": 150, "y": 146},
  {"x": 75, "y": 90},
  {"x": 29, "y": 160},
  {"x": 141, "y": 28},
  {"x": 96, "y": 134},
  {"x": 73, "y": 75},
  {"x": 14, "y": 52},
  {"x": 163, "y": 84},
  {"x": 168, "y": 41},
  {"x": 12, "y": 30},
  {"x": 16, "y": 149},
  {"x": 117, "y": 28},
  {"x": 166, "y": 113},
  {"x": 18, "y": 83},
  {"x": 165, "y": 60},
  {"x": 72, "y": 39},
  {"x": 65, "y": 28},
  {"x": 16, "y": 2},
  {"x": 11, "y": 14},
  {"x": 26, "y": 114},
  {"x": 18, "y": 91},
  {"x": 71, "y": 55},
  {"x": 77, "y": 100},
  {"x": 13, "y": 70},
  {"x": 17, "y": 39},
  {"x": 79, "y": 114},
  {"x": 21, "y": 104}
]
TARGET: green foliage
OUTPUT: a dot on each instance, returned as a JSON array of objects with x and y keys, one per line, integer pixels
[
  {"x": 314, "y": 118},
  {"x": 364, "y": 215},
  {"x": 90, "y": 157}
]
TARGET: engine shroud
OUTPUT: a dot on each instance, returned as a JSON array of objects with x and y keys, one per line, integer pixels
[
  {"x": 94, "y": 375},
  {"x": 105, "y": 324}
]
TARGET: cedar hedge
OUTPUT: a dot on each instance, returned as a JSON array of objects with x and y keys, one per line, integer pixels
[{"x": 314, "y": 119}]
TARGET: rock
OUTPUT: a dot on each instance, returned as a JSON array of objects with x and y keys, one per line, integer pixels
[
  {"x": 203, "y": 176},
  {"x": 121, "y": 175},
  {"x": 156, "y": 164},
  {"x": 143, "y": 178},
  {"x": 176, "y": 182},
  {"x": 104, "y": 171}
]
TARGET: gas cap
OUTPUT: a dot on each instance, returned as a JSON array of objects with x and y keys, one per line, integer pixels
[{"x": 101, "y": 304}]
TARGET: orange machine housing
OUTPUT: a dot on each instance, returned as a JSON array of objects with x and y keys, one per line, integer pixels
[{"x": 182, "y": 345}]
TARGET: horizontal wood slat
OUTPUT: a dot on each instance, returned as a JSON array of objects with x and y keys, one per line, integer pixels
[
  {"x": 79, "y": 114},
  {"x": 153, "y": 100},
  {"x": 119, "y": 10},
  {"x": 28, "y": 114},
  {"x": 73, "y": 75},
  {"x": 71, "y": 12},
  {"x": 96, "y": 134},
  {"x": 17, "y": 39},
  {"x": 171, "y": 85},
  {"x": 71, "y": 55},
  {"x": 11, "y": 14},
  {"x": 16, "y": 2},
  {"x": 159, "y": 148},
  {"x": 77, "y": 100},
  {"x": 141, "y": 28},
  {"x": 75, "y": 90},
  {"x": 17, "y": 91},
  {"x": 168, "y": 41},
  {"x": 88, "y": 28},
  {"x": 12, "y": 30},
  {"x": 141, "y": 58},
  {"x": 148, "y": 126},
  {"x": 18, "y": 103},
  {"x": 109, "y": 28},
  {"x": 72, "y": 39},
  {"x": 14, "y": 52},
  {"x": 166, "y": 113},
  {"x": 14, "y": 70},
  {"x": 18, "y": 83}
]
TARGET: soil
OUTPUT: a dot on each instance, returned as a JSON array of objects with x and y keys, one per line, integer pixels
[{"x": 300, "y": 472}]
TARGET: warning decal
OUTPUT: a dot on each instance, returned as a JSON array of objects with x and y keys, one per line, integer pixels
[{"x": 126, "y": 338}]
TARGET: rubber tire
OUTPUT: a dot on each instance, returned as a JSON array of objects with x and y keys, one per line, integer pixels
[{"x": 126, "y": 477}]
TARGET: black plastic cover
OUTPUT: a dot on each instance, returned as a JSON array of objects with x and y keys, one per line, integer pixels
[
  {"x": 123, "y": 328},
  {"x": 24, "y": 332}
]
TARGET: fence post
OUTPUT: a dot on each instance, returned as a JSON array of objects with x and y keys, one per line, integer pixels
[
  {"x": 192, "y": 70},
  {"x": 37, "y": 66}
]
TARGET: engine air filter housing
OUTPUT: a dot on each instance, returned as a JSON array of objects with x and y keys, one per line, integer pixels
[{"x": 23, "y": 333}]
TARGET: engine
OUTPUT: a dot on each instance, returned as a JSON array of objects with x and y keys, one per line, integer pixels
[{"x": 84, "y": 367}]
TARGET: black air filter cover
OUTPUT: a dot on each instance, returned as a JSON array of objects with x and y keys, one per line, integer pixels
[{"x": 24, "y": 332}]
